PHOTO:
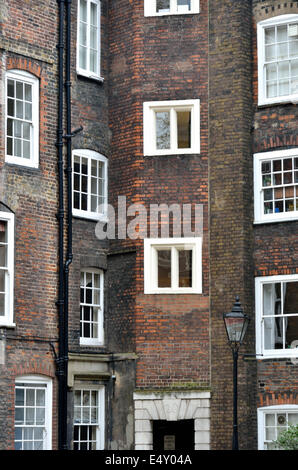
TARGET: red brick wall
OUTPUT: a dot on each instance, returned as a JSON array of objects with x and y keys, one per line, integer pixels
[{"x": 161, "y": 58}]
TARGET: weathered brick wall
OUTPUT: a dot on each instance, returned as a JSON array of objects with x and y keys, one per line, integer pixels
[
  {"x": 161, "y": 58},
  {"x": 231, "y": 237},
  {"x": 275, "y": 245},
  {"x": 28, "y": 42}
]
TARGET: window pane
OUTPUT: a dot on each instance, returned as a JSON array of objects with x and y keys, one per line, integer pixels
[
  {"x": 9, "y": 146},
  {"x": 28, "y": 111},
  {"x": 271, "y": 72},
  {"x": 83, "y": 57},
  {"x": 183, "y": 131},
  {"x": 10, "y": 107},
  {"x": 19, "y": 90},
  {"x": 40, "y": 415},
  {"x": 93, "y": 61},
  {"x": 30, "y": 397},
  {"x": 291, "y": 327},
  {"x": 28, "y": 92},
  {"x": 83, "y": 34},
  {"x": 282, "y": 33},
  {"x": 19, "y": 397},
  {"x": 290, "y": 297},
  {"x": 76, "y": 182},
  {"x": 93, "y": 14},
  {"x": 2, "y": 305},
  {"x": 284, "y": 69},
  {"x": 84, "y": 202},
  {"x": 3, "y": 256},
  {"x": 19, "y": 415},
  {"x": 17, "y": 129},
  {"x": 185, "y": 268},
  {"x": 293, "y": 49},
  {"x": 83, "y": 10},
  {"x": 293, "y": 419},
  {"x": 183, "y": 5},
  {"x": 30, "y": 416},
  {"x": 94, "y": 204},
  {"x": 162, "y": 130},
  {"x": 18, "y": 148},
  {"x": 26, "y": 131},
  {"x": 270, "y": 52},
  {"x": 3, "y": 231},
  {"x": 282, "y": 51},
  {"x": 269, "y": 35},
  {"x": 10, "y": 88},
  {"x": 2, "y": 281},
  {"x": 26, "y": 149},
  {"x": 294, "y": 68},
  {"x": 19, "y": 109},
  {"x": 271, "y": 89},
  {"x": 270, "y": 434},
  {"x": 9, "y": 127},
  {"x": 93, "y": 38},
  {"x": 162, "y": 6},
  {"x": 84, "y": 184},
  {"x": 164, "y": 268},
  {"x": 40, "y": 397}
]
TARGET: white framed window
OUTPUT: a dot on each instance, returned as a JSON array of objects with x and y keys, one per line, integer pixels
[
  {"x": 278, "y": 59},
  {"x": 22, "y": 118},
  {"x": 272, "y": 421},
  {"x": 90, "y": 184},
  {"x": 171, "y": 127},
  {"x": 91, "y": 307},
  {"x": 276, "y": 186},
  {"x": 88, "y": 38},
  {"x": 6, "y": 268},
  {"x": 277, "y": 316},
  {"x": 173, "y": 265},
  {"x": 33, "y": 413},
  {"x": 89, "y": 418},
  {"x": 170, "y": 7}
]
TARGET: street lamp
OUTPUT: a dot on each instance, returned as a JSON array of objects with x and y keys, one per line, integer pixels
[{"x": 236, "y": 323}]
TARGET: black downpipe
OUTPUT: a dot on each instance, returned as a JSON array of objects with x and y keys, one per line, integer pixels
[
  {"x": 69, "y": 255},
  {"x": 60, "y": 216}
]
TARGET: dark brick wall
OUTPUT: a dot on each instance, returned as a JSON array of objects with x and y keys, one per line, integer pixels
[
  {"x": 28, "y": 42},
  {"x": 231, "y": 236},
  {"x": 121, "y": 302}
]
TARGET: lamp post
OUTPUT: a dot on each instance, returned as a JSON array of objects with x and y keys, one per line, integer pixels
[{"x": 236, "y": 323}]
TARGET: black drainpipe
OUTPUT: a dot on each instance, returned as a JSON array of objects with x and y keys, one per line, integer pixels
[
  {"x": 69, "y": 197},
  {"x": 60, "y": 303}
]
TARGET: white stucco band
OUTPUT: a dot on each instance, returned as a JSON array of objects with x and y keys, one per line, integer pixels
[{"x": 172, "y": 406}]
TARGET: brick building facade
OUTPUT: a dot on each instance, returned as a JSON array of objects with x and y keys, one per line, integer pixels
[{"x": 186, "y": 104}]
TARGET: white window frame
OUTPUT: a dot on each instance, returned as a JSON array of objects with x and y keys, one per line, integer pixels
[
  {"x": 261, "y": 352},
  {"x": 100, "y": 429},
  {"x": 151, "y": 246},
  {"x": 149, "y": 126},
  {"x": 99, "y": 340},
  {"x": 87, "y": 72},
  {"x": 7, "y": 319},
  {"x": 259, "y": 158},
  {"x": 88, "y": 214},
  {"x": 150, "y": 8},
  {"x": 33, "y": 380},
  {"x": 25, "y": 77},
  {"x": 261, "y": 419},
  {"x": 262, "y": 99}
]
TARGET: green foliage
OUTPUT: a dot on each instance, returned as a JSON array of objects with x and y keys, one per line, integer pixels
[{"x": 288, "y": 440}]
